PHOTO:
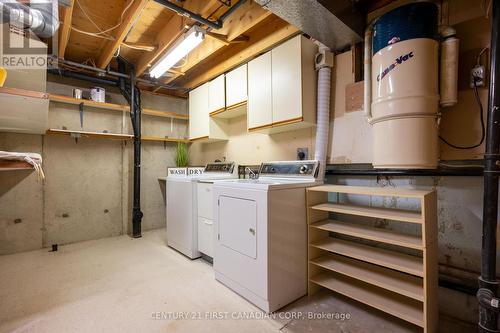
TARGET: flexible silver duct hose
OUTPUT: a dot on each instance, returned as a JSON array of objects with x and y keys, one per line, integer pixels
[
  {"x": 42, "y": 17},
  {"x": 323, "y": 117}
]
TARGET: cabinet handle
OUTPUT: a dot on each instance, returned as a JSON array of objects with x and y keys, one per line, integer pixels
[{"x": 252, "y": 231}]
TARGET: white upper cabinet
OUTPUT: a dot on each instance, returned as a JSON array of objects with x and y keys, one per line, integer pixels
[
  {"x": 286, "y": 81},
  {"x": 198, "y": 112},
  {"x": 282, "y": 88},
  {"x": 236, "y": 86},
  {"x": 260, "y": 103},
  {"x": 201, "y": 125},
  {"x": 216, "y": 94}
]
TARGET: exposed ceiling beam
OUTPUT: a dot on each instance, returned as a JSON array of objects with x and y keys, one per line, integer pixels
[
  {"x": 66, "y": 14},
  {"x": 128, "y": 21},
  {"x": 268, "y": 34},
  {"x": 243, "y": 19},
  {"x": 171, "y": 31}
]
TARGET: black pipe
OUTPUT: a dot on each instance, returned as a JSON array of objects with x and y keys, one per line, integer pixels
[
  {"x": 210, "y": 24},
  {"x": 80, "y": 76},
  {"x": 133, "y": 96},
  {"x": 488, "y": 284},
  {"x": 363, "y": 169}
]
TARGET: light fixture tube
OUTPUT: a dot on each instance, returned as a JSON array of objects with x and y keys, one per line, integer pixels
[{"x": 191, "y": 39}]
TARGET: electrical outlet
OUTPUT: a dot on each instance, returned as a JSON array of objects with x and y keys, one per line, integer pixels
[
  {"x": 302, "y": 154},
  {"x": 478, "y": 74}
]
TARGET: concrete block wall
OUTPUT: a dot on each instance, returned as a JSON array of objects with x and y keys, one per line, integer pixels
[{"x": 87, "y": 193}]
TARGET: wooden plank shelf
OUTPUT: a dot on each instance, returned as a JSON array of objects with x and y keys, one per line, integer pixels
[
  {"x": 115, "y": 136},
  {"x": 8, "y": 165},
  {"x": 100, "y": 135},
  {"x": 394, "y": 304},
  {"x": 370, "y": 233},
  {"x": 160, "y": 139},
  {"x": 375, "y": 191},
  {"x": 391, "y": 259},
  {"x": 390, "y": 280},
  {"x": 23, "y": 93},
  {"x": 115, "y": 107},
  {"x": 376, "y": 212},
  {"x": 403, "y": 284}
]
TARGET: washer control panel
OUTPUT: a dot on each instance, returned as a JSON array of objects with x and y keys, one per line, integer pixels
[{"x": 290, "y": 169}]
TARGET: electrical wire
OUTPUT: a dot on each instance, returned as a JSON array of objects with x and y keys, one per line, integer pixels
[
  {"x": 101, "y": 31},
  {"x": 481, "y": 117}
]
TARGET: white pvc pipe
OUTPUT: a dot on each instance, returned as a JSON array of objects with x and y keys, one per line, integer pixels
[
  {"x": 368, "y": 73},
  {"x": 323, "y": 115}
]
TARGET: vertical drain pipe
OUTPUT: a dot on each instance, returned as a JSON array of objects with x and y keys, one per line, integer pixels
[
  {"x": 488, "y": 284},
  {"x": 324, "y": 64},
  {"x": 133, "y": 97}
]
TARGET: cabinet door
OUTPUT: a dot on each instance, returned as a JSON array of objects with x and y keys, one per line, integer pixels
[
  {"x": 236, "y": 86},
  {"x": 287, "y": 81},
  {"x": 198, "y": 112},
  {"x": 205, "y": 236},
  {"x": 260, "y": 99},
  {"x": 216, "y": 94}
]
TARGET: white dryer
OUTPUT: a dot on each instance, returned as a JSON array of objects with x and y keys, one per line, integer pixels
[
  {"x": 182, "y": 204},
  {"x": 261, "y": 233}
]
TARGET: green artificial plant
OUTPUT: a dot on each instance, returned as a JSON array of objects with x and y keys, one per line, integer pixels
[{"x": 181, "y": 155}]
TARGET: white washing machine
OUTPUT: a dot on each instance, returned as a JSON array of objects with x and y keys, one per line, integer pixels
[
  {"x": 182, "y": 204},
  {"x": 261, "y": 233}
]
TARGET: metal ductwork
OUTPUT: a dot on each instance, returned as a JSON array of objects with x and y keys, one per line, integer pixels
[
  {"x": 337, "y": 24},
  {"x": 41, "y": 17}
]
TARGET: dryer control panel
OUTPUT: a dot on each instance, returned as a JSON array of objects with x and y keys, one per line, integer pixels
[{"x": 290, "y": 169}]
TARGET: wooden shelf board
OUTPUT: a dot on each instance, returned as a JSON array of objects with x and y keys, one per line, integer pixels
[
  {"x": 386, "y": 258},
  {"x": 370, "y": 233},
  {"x": 377, "y": 191},
  {"x": 403, "y": 284},
  {"x": 394, "y": 304},
  {"x": 115, "y": 107},
  {"x": 53, "y": 131},
  {"x": 23, "y": 92},
  {"x": 377, "y": 212},
  {"x": 160, "y": 139},
  {"x": 7, "y": 165}
]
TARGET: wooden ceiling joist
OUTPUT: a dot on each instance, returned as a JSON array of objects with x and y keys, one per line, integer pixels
[
  {"x": 242, "y": 20},
  {"x": 171, "y": 31},
  {"x": 268, "y": 34},
  {"x": 128, "y": 21},
  {"x": 66, "y": 14}
]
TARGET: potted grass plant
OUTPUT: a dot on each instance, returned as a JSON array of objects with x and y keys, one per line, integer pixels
[{"x": 181, "y": 155}]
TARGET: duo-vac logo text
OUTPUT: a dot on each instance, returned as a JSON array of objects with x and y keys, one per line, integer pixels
[{"x": 398, "y": 61}]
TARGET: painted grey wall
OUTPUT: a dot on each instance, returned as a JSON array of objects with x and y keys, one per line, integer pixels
[{"x": 87, "y": 193}]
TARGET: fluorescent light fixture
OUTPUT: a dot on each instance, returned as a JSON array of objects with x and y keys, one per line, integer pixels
[{"x": 191, "y": 39}]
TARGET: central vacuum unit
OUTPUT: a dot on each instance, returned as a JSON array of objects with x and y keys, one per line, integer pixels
[{"x": 404, "y": 96}]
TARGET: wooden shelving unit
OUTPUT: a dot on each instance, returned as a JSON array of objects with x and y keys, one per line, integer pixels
[
  {"x": 115, "y": 107},
  {"x": 389, "y": 279},
  {"x": 114, "y": 136}
]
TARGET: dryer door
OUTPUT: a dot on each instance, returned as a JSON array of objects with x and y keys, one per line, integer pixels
[{"x": 238, "y": 224}]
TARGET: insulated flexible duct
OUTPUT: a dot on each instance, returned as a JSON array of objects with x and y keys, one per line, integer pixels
[
  {"x": 41, "y": 17},
  {"x": 323, "y": 113}
]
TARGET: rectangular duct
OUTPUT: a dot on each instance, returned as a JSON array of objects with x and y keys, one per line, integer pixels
[{"x": 337, "y": 24}]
